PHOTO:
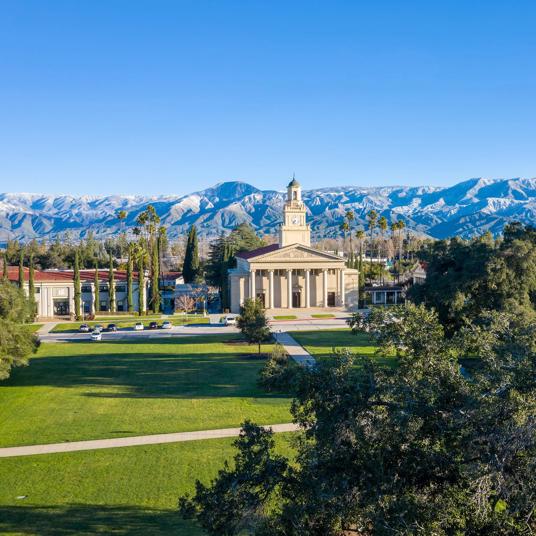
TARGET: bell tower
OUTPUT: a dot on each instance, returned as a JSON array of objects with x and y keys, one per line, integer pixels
[{"x": 295, "y": 229}]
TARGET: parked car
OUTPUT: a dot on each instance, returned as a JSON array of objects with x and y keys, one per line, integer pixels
[
  {"x": 111, "y": 327},
  {"x": 138, "y": 326},
  {"x": 153, "y": 325},
  {"x": 98, "y": 327},
  {"x": 84, "y": 328},
  {"x": 230, "y": 320},
  {"x": 166, "y": 325},
  {"x": 96, "y": 336}
]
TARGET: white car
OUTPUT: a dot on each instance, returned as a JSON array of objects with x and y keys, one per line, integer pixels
[
  {"x": 96, "y": 336},
  {"x": 230, "y": 320},
  {"x": 138, "y": 326},
  {"x": 166, "y": 325}
]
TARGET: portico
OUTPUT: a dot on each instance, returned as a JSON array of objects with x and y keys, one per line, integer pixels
[{"x": 292, "y": 275}]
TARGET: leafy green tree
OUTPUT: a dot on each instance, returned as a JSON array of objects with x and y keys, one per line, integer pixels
[
  {"x": 17, "y": 343},
  {"x": 280, "y": 373},
  {"x": 191, "y": 270},
  {"x": 236, "y": 500},
  {"x": 422, "y": 447},
  {"x": 14, "y": 304},
  {"x": 96, "y": 283},
  {"x": 222, "y": 257},
  {"x": 464, "y": 278},
  {"x": 253, "y": 323},
  {"x": 77, "y": 288},
  {"x": 111, "y": 285}
]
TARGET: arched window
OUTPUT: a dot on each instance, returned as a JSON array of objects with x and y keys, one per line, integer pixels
[{"x": 295, "y": 195}]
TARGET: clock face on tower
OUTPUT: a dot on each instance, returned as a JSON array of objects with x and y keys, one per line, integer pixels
[{"x": 295, "y": 220}]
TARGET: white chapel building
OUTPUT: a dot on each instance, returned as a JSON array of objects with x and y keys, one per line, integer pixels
[{"x": 291, "y": 274}]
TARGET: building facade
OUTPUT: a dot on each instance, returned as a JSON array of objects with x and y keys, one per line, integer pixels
[
  {"x": 54, "y": 291},
  {"x": 291, "y": 274}
]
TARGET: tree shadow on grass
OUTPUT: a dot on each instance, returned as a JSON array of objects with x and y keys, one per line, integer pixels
[
  {"x": 82, "y": 519},
  {"x": 142, "y": 374}
]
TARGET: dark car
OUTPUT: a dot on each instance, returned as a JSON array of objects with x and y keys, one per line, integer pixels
[
  {"x": 84, "y": 328},
  {"x": 111, "y": 327},
  {"x": 153, "y": 325}
]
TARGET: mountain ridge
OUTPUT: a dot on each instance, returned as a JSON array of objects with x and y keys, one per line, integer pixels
[{"x": 467, "y": 208}]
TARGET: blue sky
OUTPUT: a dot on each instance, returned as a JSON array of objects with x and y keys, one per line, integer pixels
[{"x": 162, "y": 97}]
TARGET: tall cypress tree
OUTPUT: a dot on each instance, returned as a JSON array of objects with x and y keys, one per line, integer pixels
[
  {"x": 226, "y": 258},
  {"x": 155, "y": 276},
  {"x": 129, "y": 281},
  {"x": 21, "y": 269},
  {"x": 96, "y": 282},
  {"x": 111, "y": 285},
  {"x": 191, "y": 270},
  {"x": 5, "y": 275},
  {"x": 141, "y": 283},
  {"x": 31, "y": 287},
  {"x": 77, "y": 287}
]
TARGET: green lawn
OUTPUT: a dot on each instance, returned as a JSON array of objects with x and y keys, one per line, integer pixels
[
  {"x": 83, "y": 390},
  {"x": 124, "y": 491},
  {"x": 285, "y": 317},
  {"x": 71, "y": 327},
  {"x": 34, "y": 327},
  {"x": 321, "y": 343},
  {"x": 323, "y": 315}
]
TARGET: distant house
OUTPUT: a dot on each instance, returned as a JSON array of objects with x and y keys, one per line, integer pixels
[
  {"x": 168, "y": 285},
  {"x": 54, "y": 291},
  {"x": 395, "y": 293}
]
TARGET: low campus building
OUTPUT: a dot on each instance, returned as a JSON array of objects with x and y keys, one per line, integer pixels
[
  {"x": 54, "y": 291},
  {"x": 291, "y": 274}
]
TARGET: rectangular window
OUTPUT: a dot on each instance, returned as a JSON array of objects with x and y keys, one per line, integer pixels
[
  {"x": 86, "y": 288},
  {"x": 121, "y": 288},
  {"x": 103, "y": 306},
  {"x": 103, "y": 288},
  {"x": 38, "y": 290}
]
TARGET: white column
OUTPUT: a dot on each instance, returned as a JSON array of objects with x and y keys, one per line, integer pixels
[
  {"x": 241, "y": 290},
  {"x": 252, "y": 284},
  {"x": 325, "y": 287},
  {"x": 342, "y": 289},
  {"x": 307, "y": 288},
  {"x": 270, "y": 289},
  {"x": 289, "y": 289}
]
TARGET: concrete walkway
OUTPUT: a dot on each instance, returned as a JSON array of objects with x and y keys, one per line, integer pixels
[
  {"x": 295, "y": 350},
  {"x": 157, "y": 439},
  {"x": 46, "y": 328}
]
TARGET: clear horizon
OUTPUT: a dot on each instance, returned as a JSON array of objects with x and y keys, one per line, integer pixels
[{"x": 170, "y": 98}]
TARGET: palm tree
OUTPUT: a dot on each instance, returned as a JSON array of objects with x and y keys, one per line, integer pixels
[
  {"x": 344, "y": 227},
  {"x": 349, "y": 219},
  {"x": 382, "y": 224},
  {"x": 401, "y": 226},
  {"x": 122, "y": 216},
  {"x": 372, "y": 218}
]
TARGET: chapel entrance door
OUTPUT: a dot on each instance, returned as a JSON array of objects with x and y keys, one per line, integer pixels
[{"x": 296, "y": 299}]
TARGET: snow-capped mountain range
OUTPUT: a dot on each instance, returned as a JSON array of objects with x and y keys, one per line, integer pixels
[{"x": 468, "y": 208}]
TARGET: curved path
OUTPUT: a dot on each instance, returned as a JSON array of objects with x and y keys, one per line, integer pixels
[{"x": 156, "y": 439}]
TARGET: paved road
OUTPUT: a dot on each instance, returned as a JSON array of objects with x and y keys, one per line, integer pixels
[
  {"x": 197, "y": 329},
  {"x": 156, "y": 439}
]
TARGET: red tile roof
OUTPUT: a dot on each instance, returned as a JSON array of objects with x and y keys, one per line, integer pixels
[
  {"x": 65, "y": 275},
  {"x": 257, "y": 252}
]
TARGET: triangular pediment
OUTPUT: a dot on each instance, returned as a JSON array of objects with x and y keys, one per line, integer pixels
[{"x": 297, "y": 252}]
